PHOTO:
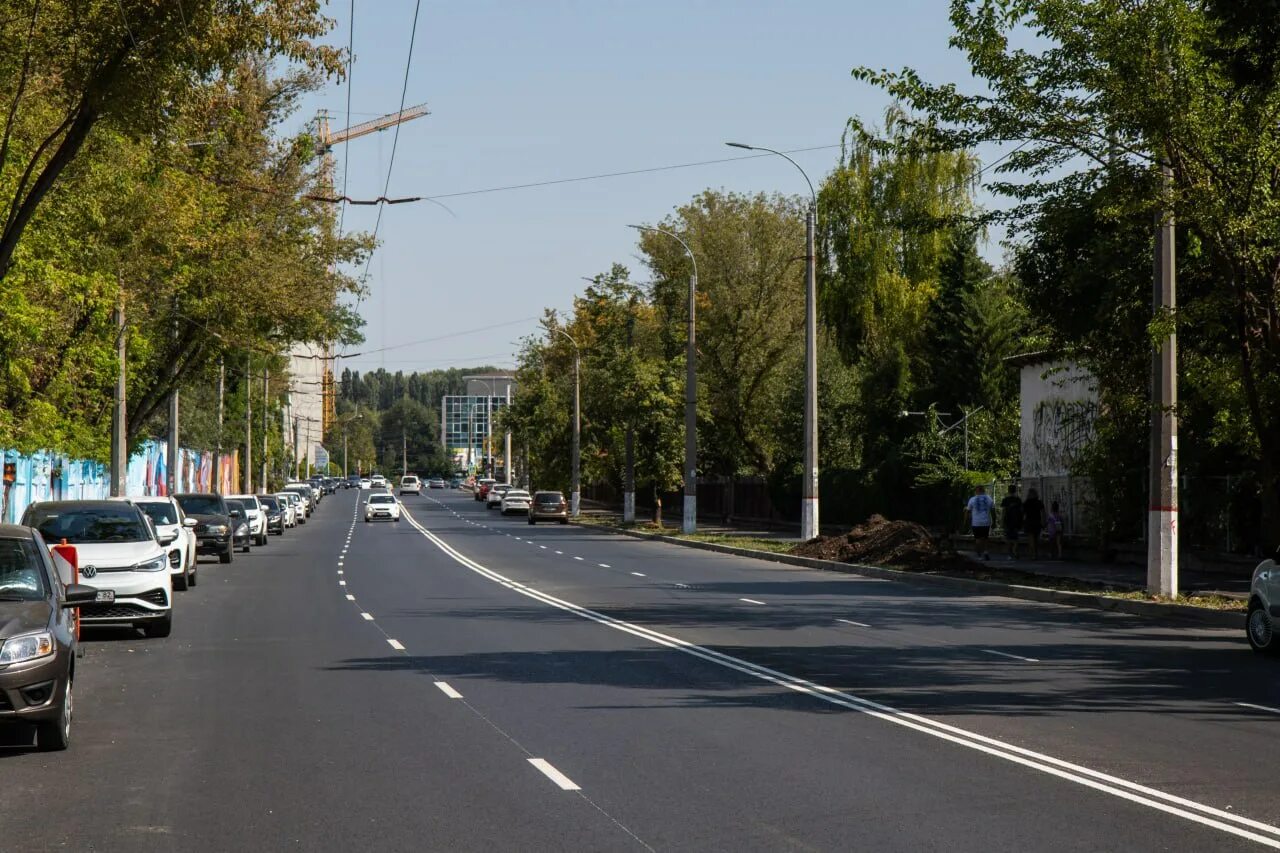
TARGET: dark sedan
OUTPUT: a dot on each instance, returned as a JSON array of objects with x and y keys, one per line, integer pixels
[
  {"x": 37, "y": 637},
  {"x": 275, "y": 513},
  {"x": 241, "y": 535},
  {"x": 213, "y": 523}
]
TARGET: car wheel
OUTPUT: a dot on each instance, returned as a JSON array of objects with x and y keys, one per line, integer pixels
[
  {"x": 191, "y": 581},
  {"x": 1260, "y": 630},
  {"x": 180, "y": 582},
  {"x": 262, "y": 540},
  {"x": 159, "y": 628},
  {"x": 397, "y": 519},
  {"x": 55, "y": 735},
  {"x": 245, "y": 549}
]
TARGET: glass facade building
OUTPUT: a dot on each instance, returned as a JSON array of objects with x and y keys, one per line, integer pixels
[{"x": 465, "y": 427}]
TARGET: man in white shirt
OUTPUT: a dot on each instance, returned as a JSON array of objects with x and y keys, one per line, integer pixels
[{"x": 978, "y": 512}]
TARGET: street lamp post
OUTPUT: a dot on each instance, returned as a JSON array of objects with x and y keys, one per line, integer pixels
[
  {"x": 809, "y": 498},
  {"x": 575, "y": 499},
  {"x": 689, "y": 521}
]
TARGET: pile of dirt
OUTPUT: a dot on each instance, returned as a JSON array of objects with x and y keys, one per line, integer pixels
[{"x": 878, "y": 542}]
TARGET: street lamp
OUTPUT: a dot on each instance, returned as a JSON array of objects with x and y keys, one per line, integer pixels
[
  {"x": 690, "y": 514},
  {"x": 809, "y": 499},
  {"x": 575, "y": 493}
]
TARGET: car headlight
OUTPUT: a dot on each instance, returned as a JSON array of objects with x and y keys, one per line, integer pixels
[
  {"x": 27, "y": 647},
  {"x": 242, "y": 530},
  {"x": 217, "y": 529},
  {"x": 155, "y": 564}
]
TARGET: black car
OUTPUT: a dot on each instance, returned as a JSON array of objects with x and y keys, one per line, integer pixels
[
  {"x": 37, "y": 637},
  {"x": 353, "y": 481},
  {"x": 213, "y": 523},
  {"x": 275, "y": 513},
  {"x": 241, "y": 536}
]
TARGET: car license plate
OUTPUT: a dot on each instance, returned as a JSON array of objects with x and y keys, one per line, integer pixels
[{"x": 105, "y": 596}]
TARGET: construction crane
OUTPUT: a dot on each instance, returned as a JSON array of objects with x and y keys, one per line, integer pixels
[{"x": 327, "y": 139}]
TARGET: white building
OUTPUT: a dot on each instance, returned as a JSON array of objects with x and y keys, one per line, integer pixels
[{"x": 304, "y": 418}]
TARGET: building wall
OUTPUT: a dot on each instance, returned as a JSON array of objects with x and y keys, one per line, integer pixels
[
  {"x": 460, "y": 414},
  {"x": 1059, "y": 403},
  {"x": 306, "y": 401}
]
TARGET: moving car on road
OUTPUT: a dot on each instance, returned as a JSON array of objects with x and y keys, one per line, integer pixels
[
  {"x": 382, "y": 507},
  {"x": 366, "y": 483},
  {"x": 435, "y": 483},
  {"x": 493, "y": 497},
  {"x": 1263, "y": 622},
  {"x": 257, "y": 518},
  {"x": 410, "y": 485},
  {"x": 241, "y": 532},
  {"x": 175, "y": 533},
  {"x": 118, "y": 554},
  {"x": 515, "y": 500},
  {"x": 37, "y": 637},
  {"x": 482, "y": 487},
  {"x": 548, "y": 506},
  {"x": 213, "y": 523},
  {"x": 379, "y": 481},
  {"x": 275, "y": 510}
]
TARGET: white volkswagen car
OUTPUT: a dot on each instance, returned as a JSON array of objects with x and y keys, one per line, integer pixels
[
  {"x": 515, "y": 500},
  {"x": 257, "y": 517},
  {"x": 1263, "y": 622},
  {"x": 382, "y": 507},
  {"x": 175, "y": 533},
  {"x": 118, "y": 554}
]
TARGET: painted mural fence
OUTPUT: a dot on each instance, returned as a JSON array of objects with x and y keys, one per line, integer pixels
[{"x": 52, "y": 476}]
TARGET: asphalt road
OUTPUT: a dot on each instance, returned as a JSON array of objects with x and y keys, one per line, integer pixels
[{"x": 460, "y": 681}]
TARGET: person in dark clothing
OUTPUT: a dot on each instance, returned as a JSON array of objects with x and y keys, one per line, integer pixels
[
  {"x": 1033, "y": 520},
  {"x": 1012, "y": 508}
]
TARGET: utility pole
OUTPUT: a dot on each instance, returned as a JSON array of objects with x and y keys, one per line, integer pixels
[
  {"x": 809, "y": 498},
  {"x": 119, "y": 440},
  {"x": 689, "y": 522},
  {"x": 404, "y": 450},
  {"x": 262, "y": 482},
  {"x": 576, "y": 500},
  {"x": 506, "y": 450},
  {"x": 171, "y": 475},
  {"x": 248, "y": 424},
  {"x": 222, "y": 387},
  {"x": 629, "y": 474},
  {"x": 1162, "y": 514}
]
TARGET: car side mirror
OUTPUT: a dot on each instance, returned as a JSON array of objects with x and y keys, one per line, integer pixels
[
  {"x": 189, "y": 522},
  {"x": 77, "y": 594}
]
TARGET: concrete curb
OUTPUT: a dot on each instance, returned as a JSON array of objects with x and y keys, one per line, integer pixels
[{"x": 1182, "y": 614}]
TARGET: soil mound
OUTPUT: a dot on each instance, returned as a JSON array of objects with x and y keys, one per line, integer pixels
[{"x": 878, "y": 542}]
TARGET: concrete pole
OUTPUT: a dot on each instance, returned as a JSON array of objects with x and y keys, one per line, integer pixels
[
  {"x": 809, "y": 500},
  {"x": 629, "y": 473},
  {"x": 576, "y": 499},
  {"x": 217, "y": 456},
  {"x": 248, "y": 425},
  {"x": 690, "y": 516},
  {"x": 1162, "y": 515},
  {"x": 119, "y": 438},
  {"x": 173, "y": 461},
  {"x": 506, "y": 444},
  {"x": 488, "y": 429},
  {"x": 344, "y": 453},
  {"x": 262, "y": 481}
]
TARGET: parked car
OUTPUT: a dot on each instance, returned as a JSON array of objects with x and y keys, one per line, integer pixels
[
  {"x": 241, "y": 532},
  {"x": 118, "y": 554},
  {"x": 515, "y": 500},
  {"x": 382, "y": 507},
  {"x": 37, "y": 637},
  {"x": 303, "y": 491},
  {"x": 482, "y": 487},
  {"x": 1263, "y": 620},
  {"x": 257, "y": 518},
  {"x": 410, "y": 485},
  {"x": 548, "y": 506},
  {"x": 493, "y": 497},
  {"x": 175, "y": 532},
  {"x": 297, "y": 514},
  {"x": 213, "y": 523},
  {"x": 435, "y": 483},
  {"x": 275, "y": 510}
]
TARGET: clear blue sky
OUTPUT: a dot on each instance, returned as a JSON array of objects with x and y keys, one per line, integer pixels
[{"x": 530, "y": 90}]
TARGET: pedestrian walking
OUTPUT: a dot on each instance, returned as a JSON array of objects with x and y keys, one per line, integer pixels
[
  {"x": 978, "y": 512},
  {"x": 1012, "y": 511},
  {"x": 1053, "y": 529},
  {"x": 1033, "y": 520}
]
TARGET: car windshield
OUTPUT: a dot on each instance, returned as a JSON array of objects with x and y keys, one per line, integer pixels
[
  {"x": 270, "y": 502},
  {"x": 381, "y": 499},
  {"x": 202, "y": 505},
  {"x": 22, "y": 575},
  {"x": 159, "y": 513},
  {"x": 89, "y": 524},
  {"x": 516, "y": 493},
  {"x": 234, "y": 506},
  {"x": 549, "y": 497}
]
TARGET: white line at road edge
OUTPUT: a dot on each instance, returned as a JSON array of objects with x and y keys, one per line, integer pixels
[
  {"x": 851, "y": 622},
  {"x": 368, "y": 617},
  {"x": 1258, "y": 707},
  {"x": 565, "y": 783},
  {"x": 447, "y": 690},
  {"x": 395, "y": 644},
  {"x": 1235, "y": 824},
  {"x": 750, "y": 601},
  {"x": 638, "y": 574},
  {"x": 1007, "y": 655}
]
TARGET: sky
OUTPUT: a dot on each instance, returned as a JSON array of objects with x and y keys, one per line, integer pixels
[{"x": 523, "y": 91}]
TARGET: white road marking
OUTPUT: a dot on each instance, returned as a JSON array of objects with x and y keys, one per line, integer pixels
[
  {"x": 1219, "y": 819},
  {"x": 638, "y": 574},
  {"x": 851, "y": 622},
  {"x": 682, "y": 586},
  {"x": 342, "y": 583},
  {"x": 565, "y": 783},
  {"x": 543, "y": 547},
  {"x": 604, "y": 565},
  {"x": 577, "y": 558},
  {"x": 1007, "y": 655},
  {"x": 750, "y": 601},
  {"x": 1258, "y": 707},
  {"x": 395, "y": 644},
  {"x": 367, "y": 617},
  {"x": 560, "y": 552},
  {"x": 350, "y": 597},
  {"x": 339, "y": 571},
  {"x": 447, "y": 690}
]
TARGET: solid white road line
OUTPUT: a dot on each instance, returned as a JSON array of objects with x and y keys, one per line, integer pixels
[
  {"x": 350, "y": 597},
  {"x": 560, "y": 552},
  {"x": 447, "y": 690},
  {"x": 395, "y": 644},
  {"x": 543, "y": 547},
  {"x": 367, "y": 617},
  {"x": 565, "y": 783},
  {"x": 750, "y": 601},
  {"x": 1007, "y": 655},
  {"x": 604, "y": 565},
  {"x": 577, "y": 558},
  {"x": 638, "y": 574},
  {"x": 851, "y": 622},
  {"x": 1219, "y": 819},
  {"x": 1258, "y": 707}
]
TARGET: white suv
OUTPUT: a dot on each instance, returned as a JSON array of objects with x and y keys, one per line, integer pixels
[
  {"x": 118, "y": 554},
  {"x": 410, "y": 485},
  {"x": 175, "y": 533},
  {"x": 1264, "y": 608},
  {"x": 257, "y": 518}
]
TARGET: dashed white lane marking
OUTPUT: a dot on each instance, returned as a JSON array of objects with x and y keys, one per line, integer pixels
[
  {"x": 1007, "y": 655},
  {"x": 342, "y": 583},
  {"x": 339, "y": 571},
  {"x": 368, "y": 617},
  {"x": 1258, "y": 707},
  {"x": 543, "y": 547},
  {"x": 638, "y": 574},
  {"x": 577, "y": 558},
  {"x": 560, "y": 552},
  {"x": 851, "y": 622},
  {"x": 395, "y": 644},
  {"x": 682, "y": 586},
  {"x": 604, "y": 565},
  {"x": 750, "y": 601},
  {"x": 350, "y": 597},
  {"x": 447, "y": 690},
  {"x": 565, "y": 783}
]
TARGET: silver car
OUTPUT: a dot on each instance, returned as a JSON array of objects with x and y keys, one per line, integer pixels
[{"x": 1264, "y": 608}]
